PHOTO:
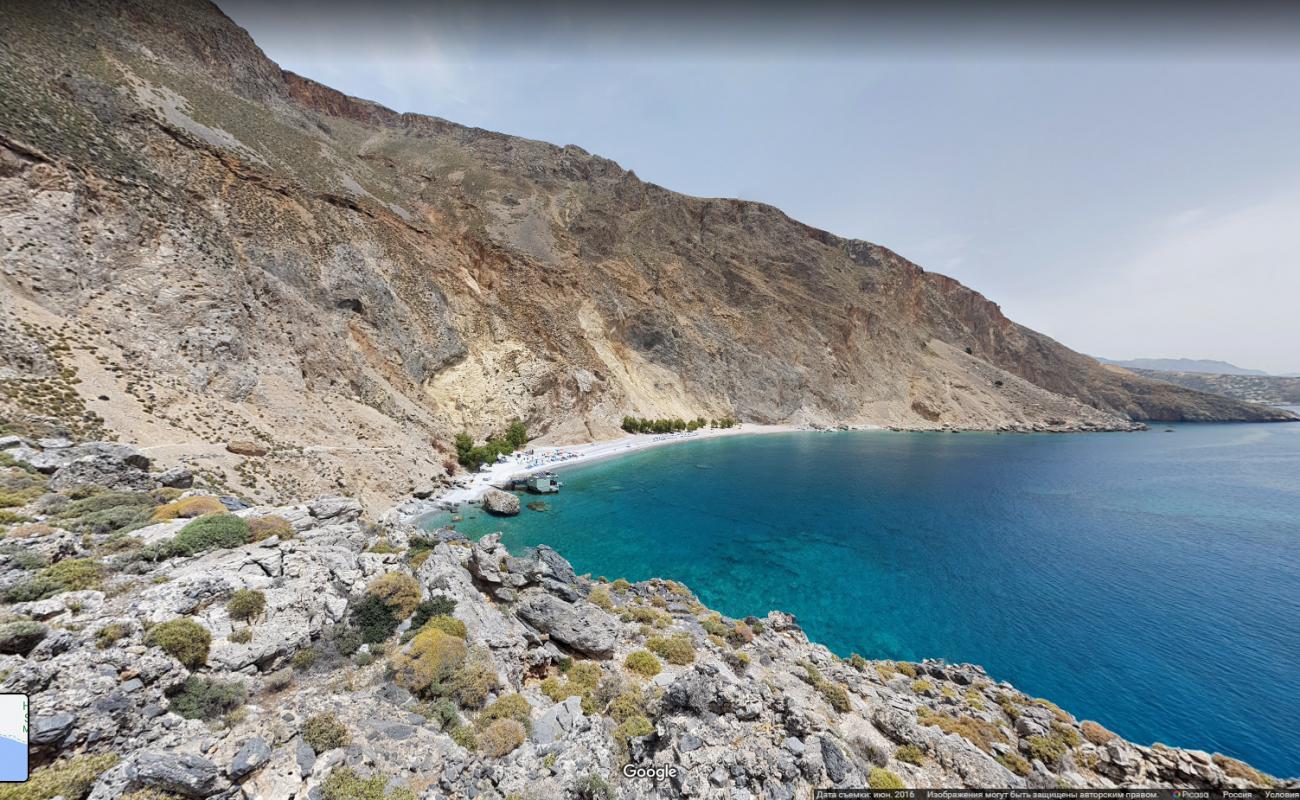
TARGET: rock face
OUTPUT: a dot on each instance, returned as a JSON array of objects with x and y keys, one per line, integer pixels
[
  {"x": 501, "y": 503},
  {"x": 422, "y": 278},
  {"x": 737, "y": 708}
]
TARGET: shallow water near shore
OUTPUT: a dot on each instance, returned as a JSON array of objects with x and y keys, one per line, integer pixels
[{"x": 1150, "y": 581}]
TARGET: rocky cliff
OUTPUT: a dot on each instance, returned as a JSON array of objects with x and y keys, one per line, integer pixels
[
  {"x": 200, "y": 246},
  {"x": 177, "y": 643}
]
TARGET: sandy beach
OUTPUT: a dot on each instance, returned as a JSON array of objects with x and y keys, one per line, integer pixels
[{"x": 541, "y": 458}]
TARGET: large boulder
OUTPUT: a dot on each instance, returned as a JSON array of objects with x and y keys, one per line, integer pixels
[
  {"x": 186, "y": 774},
  {"x": 108, "y": 470},
  {"x": 581, "y": 627},
  {"x": 57, "y": 454},
  {"x": 500, "y": 503},
  {"x": 243, "y": 447}
]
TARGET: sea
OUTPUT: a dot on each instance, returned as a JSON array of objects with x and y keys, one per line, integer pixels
[{"x": 1149, "y": 581}]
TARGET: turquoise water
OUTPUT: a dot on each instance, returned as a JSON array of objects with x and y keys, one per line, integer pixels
[{"x": 1150, "y": 581}]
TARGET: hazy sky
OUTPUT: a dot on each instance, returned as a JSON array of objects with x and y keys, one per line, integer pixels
[{"x": 1128, "y": 185}]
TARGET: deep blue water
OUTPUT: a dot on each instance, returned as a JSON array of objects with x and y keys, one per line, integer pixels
[{"x": 1150, "y": 581}]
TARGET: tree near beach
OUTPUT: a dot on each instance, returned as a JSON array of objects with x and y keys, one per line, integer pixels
[{"x": 472, "y": 457}]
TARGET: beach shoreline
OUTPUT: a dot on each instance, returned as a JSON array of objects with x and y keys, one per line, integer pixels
[{"x": 469, "y": 488}]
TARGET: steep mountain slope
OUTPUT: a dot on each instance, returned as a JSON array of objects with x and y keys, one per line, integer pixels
[{"x": 218, "y": 248}]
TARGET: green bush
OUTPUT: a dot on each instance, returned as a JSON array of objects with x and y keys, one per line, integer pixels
[
  {"x": 324, "y": 732},
  {"x": 245, "y": 604},
  {"x": 373, "y": 619},
  {"x": 18, "y": 638},
  {"x": 71, "y": 778},
  {"x": 37, "y": 588},
  {"x": 213, "y": 532},
  {"x": 345, "y": 784},
  {"x": 501, "y": 737},
  {"x": 911, "y": 754},
  {"x": 447, "y": 624},
  {"x": 183, "y": 639},
  {"x": 643, "y": 663},
  {"x": 436, "y": 606},
  {"x": 75, "y": 574},
  {"x": 207, "y": 698},
  {"x": 881, "y": 778}
]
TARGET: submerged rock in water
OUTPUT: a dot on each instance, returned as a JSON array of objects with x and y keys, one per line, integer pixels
[
  {"x": 538, "y": 505},
  {"x": 501, "y": 503}
]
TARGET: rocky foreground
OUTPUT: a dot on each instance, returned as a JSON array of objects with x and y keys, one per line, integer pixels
[{"x": 176, "y": 643}]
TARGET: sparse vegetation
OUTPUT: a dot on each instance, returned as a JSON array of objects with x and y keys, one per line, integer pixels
[
  {"x": 974, "y": 730},
  {"x": 344, "y": 783},
  {"x": 911, "y": 754},
  {"x": 324, "y": 732},
  {"x": 110, "y": 634},
  {"x": 1015, "y": 763},
  {"x": 399, "y": 591},
  {"x": 1048, "y": 749},
  {"x": 1095, "y": 733},
  {"x": 71, "y": 778},
  {"x": 835, "y": 694},
  {"x": 207, "y": 698},
  {"x": 676, "y": 650},
  {"x": 880, "y": 778},
  {"x": 20, "y": 636},
  {"x": 245, "y": 604}
]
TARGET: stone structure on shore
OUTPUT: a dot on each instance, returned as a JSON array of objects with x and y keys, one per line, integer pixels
[{"x": 179, "y": 643}]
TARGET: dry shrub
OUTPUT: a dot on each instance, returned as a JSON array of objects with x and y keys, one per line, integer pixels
[
  {"x": 260, "y": 528},
  {"x": 501, "y": 737},
  {"x": 188, "y": 508},
  {"x": 399, "y": 591},
  {"x": 428, "y": 663}
]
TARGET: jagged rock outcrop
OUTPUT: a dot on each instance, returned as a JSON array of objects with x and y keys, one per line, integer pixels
[
  {"x": 203, "y": 247},
  {"x": 336, "y": 673}
]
